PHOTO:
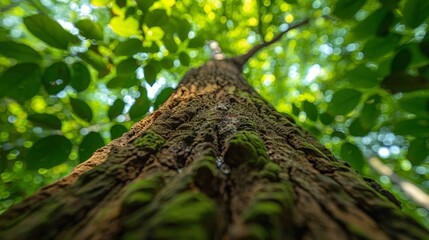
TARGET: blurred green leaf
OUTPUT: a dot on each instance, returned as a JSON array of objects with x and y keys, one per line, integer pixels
[
  {"x": 346, "y": 9},
  {"x": 353, "y": 155},
  {"x": 48, "y": 152},
  {"x": 141, "y": 105},
  {"x": 344, "y": 101},
  {"x": 129, "y": 47},
  {"x": 156, "y": 17},
  {"x": 81, "y": 109},
  {"x": 295, "y": 110},
  {"x": 310, "y": 109},
  {"x": 184, "y": 59},
  {"x": 127, "y": 68},
  {"x": 197, "y": 42},
  {"x": 370, "y": 112},
  {"x": 372, "y": 24},
  {"x": 19, "y": 51},
  {"x": 90, "y": 29},
  {"x": 415, "y": 127},
  {"x": 96, "y": 61},
  {"x": 48, "y": 30},
  {"x": 356, "y": 128},
  {"x": 45, "y": 120},
  {"x": 379, "y": 46},
  {"x": 170, "y": 43},
  {"x": 116, "y": 109},
  {"x": 363, "y": 77},
  {"x": 403, "y": 82},
  {"x": 117, "y": 130},
  {"x": 21, "y": 82},
  {"x": 418, "y": 105},
  {"x": 162, "y": 96},
  {"x": 401, "y": 60},
  {"x": 144, "y": 5},
  {"x": 150, "y": 73},
  {"x": 122, "y": 82},
  {"x": 80, "y": 76},
  {"x": 418, "y": 150},
  {"x": 56, "y": 77},
  {"x": 326, "y": 118},
  {"x": 90, "y": 143},
  {"x": 415, "y": 12}
]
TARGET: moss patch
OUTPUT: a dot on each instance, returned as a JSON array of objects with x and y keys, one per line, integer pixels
[
  {"x": 246, "y": 147},
  {"x": 150, "y": 141}
]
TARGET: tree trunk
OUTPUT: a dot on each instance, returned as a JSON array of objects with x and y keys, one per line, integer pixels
[{"x": 216, "y": 161}]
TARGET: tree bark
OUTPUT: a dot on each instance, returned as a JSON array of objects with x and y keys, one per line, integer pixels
[{"x": 216, "y": 161}]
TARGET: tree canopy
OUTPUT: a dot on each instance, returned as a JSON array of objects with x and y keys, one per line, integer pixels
[{"x": 76, "y": 74}]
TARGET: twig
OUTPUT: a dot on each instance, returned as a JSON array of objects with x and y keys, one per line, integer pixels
[{"x": 242, "y": 59}]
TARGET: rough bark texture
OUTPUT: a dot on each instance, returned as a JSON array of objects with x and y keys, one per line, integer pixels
[{"x": 216, "y": 161}]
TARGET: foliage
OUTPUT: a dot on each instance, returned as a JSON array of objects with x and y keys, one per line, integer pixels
[{"x": 76, "y": 74}]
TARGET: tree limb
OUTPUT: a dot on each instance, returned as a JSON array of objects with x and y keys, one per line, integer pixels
[{"x": 242, "y": 59}]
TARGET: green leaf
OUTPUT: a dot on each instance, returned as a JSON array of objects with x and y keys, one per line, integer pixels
[
  {"x": 48, "y": 152},
  {"x": 184, "y": 59},
  {"x": 353, "y": 155},
  {"x": 81, "y": 109},
  {"x": 403, "y": 82},
  {"x": 371, "y": 25},
  {"x": 424, "y": 45},
  {"x": 144, "y": 5},
  {"x": 48, "y": 30},
  {"x": 150, "y": 71},
  {"x": 356, "y": 128},
  {"x": 183, "y": 28},
  {"x": 19, "y": 51},
  {"x": 418, "y": 127},
  {"x": 197, "y": 42},
  {"x": 90, "y": 29},
  {"x": 141, "y": 106},
  {"x": 370, "y": 112},
  {"x": 344, "y": 101},
  {"x": 122, "y": 82},
  {"x": 116, "y": 109},
  {"x": 56, "y": 77},
  {"x": 80, "y": 77},
  {"x": 326, "y": 118},
  {"x": 345, "y": 9},
  {"x": 121, "y": 3},
  {"x": 45, "y": 120},
  {"x": 295, "y": 110},
  {"x": 156, "y": 17},
  {"x": 21, "y": 82},
  {"x": 338, "y": 134},
  {"x": 90, "y": 143},
  {"x": 401, "y": 60},
  {"x": 418, "y": 150},
  {"x": 129, "y": 47},
  {"x": 415, "y": 12},
  {"x": 311, "y": 110},
  {"x": 418, "y": 105},
  {"x": 363, "y": 77},
  {"x": 117, "y": 130},
  {"x": 162, "y": 97},
  {"x": 127, "y": 68},
  {"x": 96, "y": 61},
  {"x": 170, "y": 43},
  {"x": 377, "y": 47}
]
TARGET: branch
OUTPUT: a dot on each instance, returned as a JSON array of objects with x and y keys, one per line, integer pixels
[
  {"x": 411, "y": 190},
  {"x": 242, "y": 59}
]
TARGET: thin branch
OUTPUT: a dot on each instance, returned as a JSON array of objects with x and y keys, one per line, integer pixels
[
  {"x": 411, "y": 190},
  {"x": 242, "y": 59}
]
